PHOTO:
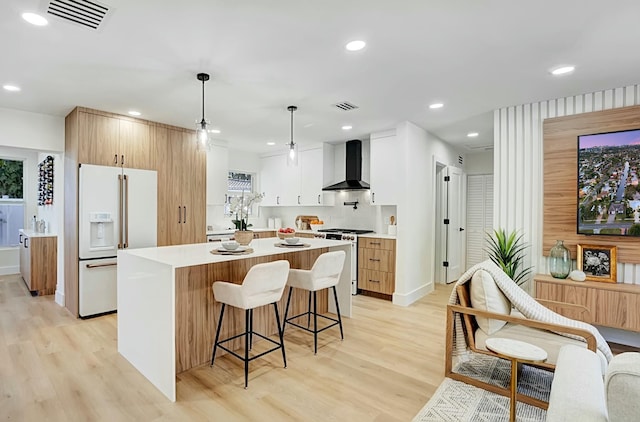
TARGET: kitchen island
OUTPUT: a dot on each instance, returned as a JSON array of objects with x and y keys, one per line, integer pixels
[{"x": 167, "y": 313}]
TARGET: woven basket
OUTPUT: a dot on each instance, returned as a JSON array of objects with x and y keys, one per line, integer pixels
[
  {"x": 283, "y": 236},
  {"x": 243, "y": 237}
]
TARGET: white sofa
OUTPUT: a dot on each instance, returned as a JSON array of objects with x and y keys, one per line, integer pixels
[{"x": 579, "y": 392}]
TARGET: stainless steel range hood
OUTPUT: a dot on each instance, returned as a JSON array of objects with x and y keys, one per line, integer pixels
[{"x": 353, "y": 164}]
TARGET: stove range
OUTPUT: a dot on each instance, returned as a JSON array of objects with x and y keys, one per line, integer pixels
[{"x": 346, "y": 231}]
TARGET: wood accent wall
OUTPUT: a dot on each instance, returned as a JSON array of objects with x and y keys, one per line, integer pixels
[
  {"x": 71, "y": 149},
  {"x": 561, "y": 179},
  {"x": 197, "y": 311}
]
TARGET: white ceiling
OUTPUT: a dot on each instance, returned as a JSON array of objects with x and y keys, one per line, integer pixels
[{"x": 263, "y": 55}]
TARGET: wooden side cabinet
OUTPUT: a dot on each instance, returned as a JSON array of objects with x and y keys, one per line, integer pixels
[
  {"x": 615, "y": 305},
  {"x": 264, "y": 235},
  {"x": 39, "y": 262},
  {"x": 377, "y": 265}
]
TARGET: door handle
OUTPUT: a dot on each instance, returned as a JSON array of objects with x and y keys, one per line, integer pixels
[
  {"x": 126, "y": 211},
  {"x": 277, "y": 200},
  {"x": 184, "y": 217},
  {"x": 461, "y": 229},
  {"x": 373, "y": 197},
  {"x": 122, "y": 160},
  {"x": 179, "y": 214},
  {"x": 111, "y": 264},
  {"x": 115, "y": 159},
  {"x": 120, "y": 216},
  {"x": 318, "y": 199},
  {"x": 26, "y": 243},
  {"x": 20, "y": 240},
  {"x": 298, "y": 199}
]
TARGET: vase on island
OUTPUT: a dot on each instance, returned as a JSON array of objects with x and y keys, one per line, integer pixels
[
  {"x": 243, "y": 237},
  {"x": 559, "y": 260}
]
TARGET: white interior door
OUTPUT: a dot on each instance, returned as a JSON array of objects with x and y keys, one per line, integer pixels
[
  {"x": 141, "y": 208},
  {"x": 479, "y": 216},
  {"x": 456, "y": 216}
]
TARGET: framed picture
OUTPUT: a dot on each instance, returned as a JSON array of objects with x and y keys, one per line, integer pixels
[{"x": 598, "y": 262}]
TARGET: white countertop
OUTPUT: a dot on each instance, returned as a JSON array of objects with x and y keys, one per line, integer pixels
[
  {"x": 377, "y": 236},
  {"x": 31, "y": 233},
  {"x": 198, "y": 254}
]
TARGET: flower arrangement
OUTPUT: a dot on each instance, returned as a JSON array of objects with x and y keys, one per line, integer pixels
[{"x": 240, "y": 206}]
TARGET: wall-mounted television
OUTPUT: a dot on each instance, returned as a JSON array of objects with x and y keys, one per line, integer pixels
[{"x": 609, "y": 183}]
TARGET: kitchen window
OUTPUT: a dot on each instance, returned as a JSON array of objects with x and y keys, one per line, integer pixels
[
  {"x": 238, "y": 182},
  {"x": 11, "y": 201}
]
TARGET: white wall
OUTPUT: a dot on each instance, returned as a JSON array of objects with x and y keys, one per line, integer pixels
[
  {"x": 518, "y": 154},
  {"x": 415, "y": 242},
  {"x": 479, "y": 163},
  {"x": 22, "y": 129}
]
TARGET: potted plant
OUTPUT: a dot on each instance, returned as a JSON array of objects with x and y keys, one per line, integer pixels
[
  {"x": 507, "y": 251},
  {"x": 240, "y": 206}
]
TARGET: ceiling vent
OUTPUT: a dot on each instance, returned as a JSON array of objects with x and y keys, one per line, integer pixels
[
  {"x": 81, "y": 12},
  {"x": 345, "y": 106},
  {"x": 479, "y": 147}
]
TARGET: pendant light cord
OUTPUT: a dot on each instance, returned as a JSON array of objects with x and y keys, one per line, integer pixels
[{"x": 202, "y": 102}]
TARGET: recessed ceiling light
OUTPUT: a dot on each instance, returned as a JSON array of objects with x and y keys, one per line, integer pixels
[
  {"x": 347, "y": 127},
  {"x": 355, "y": 45},
  {"x": 271, "y": 143},
  {"x": 472, "y": 134},
  {"x": 436, "y": 105},
  {"x": 563, "y": 70},
  {"x": 35, "y": 19},
  {"x": 214, "y": 130},
  {"x": 11, "y": 88},
  {"x": 134, "y": 113}
]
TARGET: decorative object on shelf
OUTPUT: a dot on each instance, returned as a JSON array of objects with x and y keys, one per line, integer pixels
[
  {"x": 45, "y": 181},
  {"x": 598, "y": 262},
  {"x": 201, "y": 127},
  {"x": 577, "y": 275},
  {"x": 292, "y": 157},
  {"x": 559, "y": 260},
  {"x": 507, "y": 251}
]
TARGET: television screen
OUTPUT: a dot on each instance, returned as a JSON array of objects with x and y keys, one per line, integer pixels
[{"x": 608, "y": 191}]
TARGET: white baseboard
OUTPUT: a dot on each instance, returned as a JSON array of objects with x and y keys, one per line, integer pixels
[
  {"x": 614, "y": 335},
  {"x": 407, "y": 299},
  {"x": 59, "y": 298},
  {"x": 11, "y": 269}
]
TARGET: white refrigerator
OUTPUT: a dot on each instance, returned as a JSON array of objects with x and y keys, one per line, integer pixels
[{"x": 118, "y": 209}]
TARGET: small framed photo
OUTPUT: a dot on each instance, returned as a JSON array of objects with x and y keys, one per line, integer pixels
[{"x": 598, "y": 262}]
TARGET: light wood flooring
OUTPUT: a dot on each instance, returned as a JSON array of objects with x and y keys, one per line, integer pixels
[{"x": 58, "y": 368}]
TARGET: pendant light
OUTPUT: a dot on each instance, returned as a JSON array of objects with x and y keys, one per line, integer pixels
[
  {"x": 292, "y": 157},
  {"x": 201, "y": 127}
]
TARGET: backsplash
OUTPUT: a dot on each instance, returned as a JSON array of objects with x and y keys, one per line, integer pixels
[{"x": 366, "y": 216}]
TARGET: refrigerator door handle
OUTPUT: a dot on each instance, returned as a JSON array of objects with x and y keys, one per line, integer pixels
[
  {"x": 184, "y": 218},
  {"x": 126, "y": 211},
  {"x": 119, "y": 211}
]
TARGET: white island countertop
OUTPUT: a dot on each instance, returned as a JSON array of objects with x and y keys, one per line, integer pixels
[{"x": 200, "y": 253}]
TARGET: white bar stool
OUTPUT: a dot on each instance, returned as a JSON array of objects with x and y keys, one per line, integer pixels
[
  {"x": 324, "y": 274},
  {"x": 263, "y": 285}
]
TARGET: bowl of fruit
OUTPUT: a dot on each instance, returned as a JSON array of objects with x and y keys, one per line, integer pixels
[
  {"x": 316, "y": 225},
  {"x": 286, "y": 233}
]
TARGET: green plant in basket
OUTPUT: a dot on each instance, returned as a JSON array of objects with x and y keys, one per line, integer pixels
[{"x": 507, "y": 250}]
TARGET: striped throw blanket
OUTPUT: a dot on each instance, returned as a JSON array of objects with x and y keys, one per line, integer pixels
[{"x": 524, "y": 303}]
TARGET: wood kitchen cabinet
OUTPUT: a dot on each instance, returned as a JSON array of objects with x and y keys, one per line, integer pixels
[
  {"x": 39, "y": 262},
  {"x": 217, "y": 175},
  {"x": 377, "y": 265},
  {"x": 112, "y": 140},
  {"x": 181, "y": 187},
  {"x": 385, "y": 168}
]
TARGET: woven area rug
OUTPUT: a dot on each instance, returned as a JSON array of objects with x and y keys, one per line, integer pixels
[{"x": 457, "y": 401}]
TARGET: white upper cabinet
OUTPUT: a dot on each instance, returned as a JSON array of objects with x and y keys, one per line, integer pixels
[
  {"x": 217, "y": 175},
  {"x": 302, "y": 185},
  {"x": 385, "y": 168}
]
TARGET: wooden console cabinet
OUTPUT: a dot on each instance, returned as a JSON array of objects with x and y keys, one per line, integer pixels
[
  {"x": 377, "y": 265},
  {"x": 39, "y": 263},
  {"x": 615, "y": 305}
]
